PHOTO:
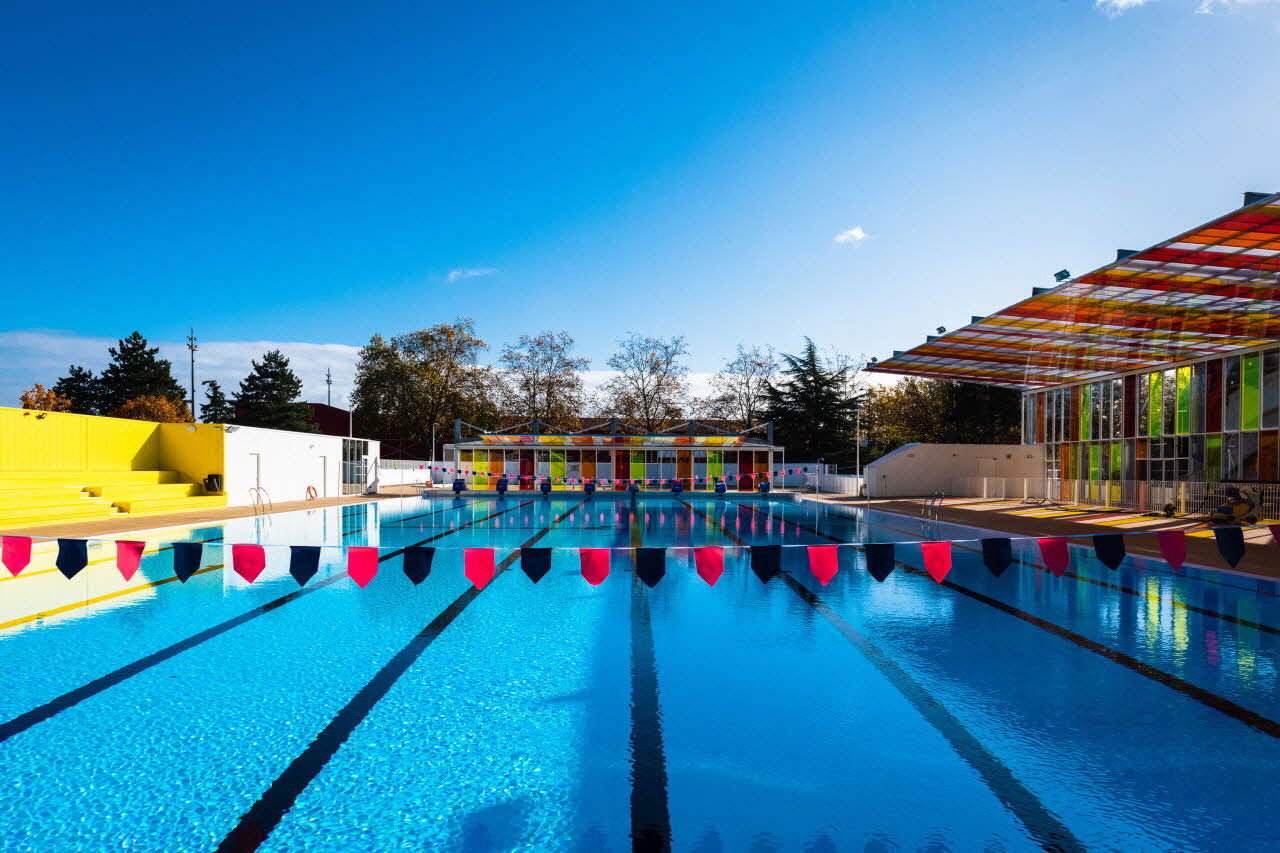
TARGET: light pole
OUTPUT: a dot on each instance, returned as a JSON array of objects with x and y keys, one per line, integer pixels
[
  {"x": 191, "y": 345},
  {"x": 817, "y": 478},
  {"x": 328, "y": 391}
]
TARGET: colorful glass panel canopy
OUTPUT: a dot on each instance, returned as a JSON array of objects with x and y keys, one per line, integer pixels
[{"x": 1212, "y": 290}]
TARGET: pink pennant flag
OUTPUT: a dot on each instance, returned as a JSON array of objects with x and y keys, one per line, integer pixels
[
  {"x": 362, "y": 564},
  {"x": 1275, "y": 532},
  {"x": 128, "y": 557},
  {"x": 595, "y": 564},
  {"x": 477, "y": 565},
  {"x": 710, "y": 564},
  {"x": 824, "y": 562},
  {"x": 1056, "y": 556},
  {"x": 249, "y": 560},
  {"x": 1173, "y": 546},
  {"x": 937, "y": 559},
  {"x": 16, "y": 553}
]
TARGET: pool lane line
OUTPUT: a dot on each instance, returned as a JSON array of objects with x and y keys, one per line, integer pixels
[
  {"x": 40, "y": 713},
  {"x": 1042, "y": 824},
  {"x": 265, "y": 815},
  {"x": 650, "y": 804},
  {"x": 1238, "y": 712},
  {"x": 1194, "y": 608}
]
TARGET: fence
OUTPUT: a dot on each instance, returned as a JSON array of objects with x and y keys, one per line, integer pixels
[
  {"x": 405, "y": 472},
  {"x": 1185, "y": 497},
  {"x": 839, "y": 484},
  {"x": 1018, "y": 488}
]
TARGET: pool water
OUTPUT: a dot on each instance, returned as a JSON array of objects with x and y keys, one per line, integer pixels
[{"x": 1127, "y": 710}]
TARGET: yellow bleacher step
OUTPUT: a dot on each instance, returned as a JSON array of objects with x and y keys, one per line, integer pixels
[
  {"x": 93, "y": 510},
  {"x": 146, "y": 492},
  {"x": 172, "y": 504},
  {"x": 32, "y": 501},
  {"x": 29, "y": 479}
]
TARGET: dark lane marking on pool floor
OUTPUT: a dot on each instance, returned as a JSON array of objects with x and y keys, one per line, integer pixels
[
  {"x": 1041, "y": 823},
  {"x": 40, "y": 713},
  {"x": 265, "y": 815},
  {"x": 650, "y": 805},
  {"x": 1252, "y": 719}
]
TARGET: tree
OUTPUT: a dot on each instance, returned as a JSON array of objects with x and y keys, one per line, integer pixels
[
  {"x": 414, "y": 382},
  {"x": 40, "y": 399},
  {"x": 153, "y": 407},
  {"x": 739, "y": 392},
  {"x": 542, "y": 379},
  {"x": 82, "y": 389},
  {"x": 940, "y": 411},
  {"x": 812, "y": 407},
  {"x": 134, "y": 371},
  {"x": 216, "y": 408},
  {"x": 268, "y": 396},
  {"x": 650, "y": 389}
]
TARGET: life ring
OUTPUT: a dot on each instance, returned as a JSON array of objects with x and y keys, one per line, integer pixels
[{"x": 311, "y": 493}]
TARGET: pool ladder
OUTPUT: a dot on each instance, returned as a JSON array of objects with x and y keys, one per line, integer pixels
[
  {"x": 931, "y": 505},
  {"x": 261, "y": 501}
]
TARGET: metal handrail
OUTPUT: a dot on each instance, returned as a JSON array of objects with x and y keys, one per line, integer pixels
[
  {"x": 261, "y": 500},
  {"x": 930, "y": 506}
]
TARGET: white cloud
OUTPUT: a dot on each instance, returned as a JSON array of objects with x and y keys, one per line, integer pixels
[
  {"x": 853, "y": 235},
  {"x": 475, "y": 272},
  {"x": 42, "y": 355},
  {"x": 1117, "y": 6},
  {"x": 1206, "y": 7}
]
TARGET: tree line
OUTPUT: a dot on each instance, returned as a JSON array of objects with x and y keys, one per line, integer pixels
[{"x": 138, "y": 384}]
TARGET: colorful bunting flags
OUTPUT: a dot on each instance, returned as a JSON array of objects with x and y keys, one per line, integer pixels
[
  {"x": 937, "y": 559},
  {"x": 248, "y": 561},
  {"x": 1173, "y": 547},
  {"x": 186, "y": 559},
  {"x": 535, "y": 562},
  {"x": 128, "y": 557},
  {"x": 651, "y": 565},
  {"x": 766, "y": 561},
  {"x": 997, "y": 554},
  {"x": 880, "y": 560},
  {"x": 709, "y": 563},
  {"x": 362, "y": 564},
  {"x": 15, "y": 553},
  {"x": 304, "y": 562},
  {"x": 1109, "y": 549},
  {"x": 477, "y": 565},
  {"x": 824, "y": 562},
  {"x": 417, "y": 563},
  {"x": 73, "y": 555},
  {"x": 595, "y": 564},
  {"x": 1056, "y": 556},
  {"x": 1230, "y": 544}
]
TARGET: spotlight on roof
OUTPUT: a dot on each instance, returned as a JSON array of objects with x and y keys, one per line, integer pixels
[
  {"x": 874, "y": 360},
  {"x": 942, "y": 330},
  {"x": 1062, "y": 275}
]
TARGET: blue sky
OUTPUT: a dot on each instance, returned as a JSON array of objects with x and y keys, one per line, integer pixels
[{"x": 310, "y": 174}]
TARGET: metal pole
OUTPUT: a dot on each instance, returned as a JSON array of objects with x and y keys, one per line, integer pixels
[
  {"x": 328, "y": 381},
  {"x": 857, "y": 441},
  {"x": 191, "y": 345},
  {"x": 817, "y": 478}
]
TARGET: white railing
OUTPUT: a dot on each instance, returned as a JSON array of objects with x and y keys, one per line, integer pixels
[
  {"x": 1179, "y": 497},
  {"x": 838, "y": 484},
  {"x": 1015, "y": 488}
]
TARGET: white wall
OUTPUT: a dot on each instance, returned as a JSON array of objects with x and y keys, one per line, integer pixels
[
  {"x": 285, "y": 464},
  {"x": 919, "y": 469}
]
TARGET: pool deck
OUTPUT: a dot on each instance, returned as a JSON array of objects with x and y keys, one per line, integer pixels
[{"x": 1262, "y": 555}]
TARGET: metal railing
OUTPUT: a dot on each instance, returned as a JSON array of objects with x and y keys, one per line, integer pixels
[
  {"x": 1174, "y": 497},
  {"x": 931, "y": 505},
  {"x": 261, "y": 501}
]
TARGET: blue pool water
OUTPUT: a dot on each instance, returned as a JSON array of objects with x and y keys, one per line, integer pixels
[{"x": 1129, "y": 710}]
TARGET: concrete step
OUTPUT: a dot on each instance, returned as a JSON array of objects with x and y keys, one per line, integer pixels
[
  {"x": 157, "y": 491},
  {"x": 28, "y": 479},
  {"x": 33, "y": 501},
  {"x": 172, "y": 504},
  {"x": 97, "y": 509}
]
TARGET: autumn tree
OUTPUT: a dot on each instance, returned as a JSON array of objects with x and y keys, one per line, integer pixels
[
  {"x": 41, "y": 399},
  {"x": 135, "y": 371},
  {"x": 940, "y": 411},
  {"x": 541, "y": 379},
  {"x": 268, "y": 396},
  {"x": 154, "y": 407},
  {"x": 650, "y": 387}
]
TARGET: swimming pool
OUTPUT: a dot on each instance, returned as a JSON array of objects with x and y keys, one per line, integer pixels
[{"x": 1129, "y": 710}]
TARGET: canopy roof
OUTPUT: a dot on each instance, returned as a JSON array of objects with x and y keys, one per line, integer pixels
[{"x": 1212, "y": 290}]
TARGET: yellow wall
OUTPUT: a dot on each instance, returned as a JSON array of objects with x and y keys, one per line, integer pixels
[
  {"x": 64, "y": 442},
  {"x": 193, "y": 453}
]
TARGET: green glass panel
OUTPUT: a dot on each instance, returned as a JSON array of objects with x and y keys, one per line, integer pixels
[
  {"x": 715, "y": 463},
  {"x": 1213, "y": 457},
  {"x": 637, "y": 465},
  {"x": 1183, "y": 424},
  {"x": 1250, "y": 398},
  {"x": 1155, "y": 413},
  {"x": 1086, "y": 409},
  {"x": 1095, "y": 461},
  {"x": 557, "y": 463},
  {"x": 1115, "y": 460}
]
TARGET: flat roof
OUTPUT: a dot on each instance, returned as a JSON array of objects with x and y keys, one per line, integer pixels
[{"x": 1212, "y": 290}]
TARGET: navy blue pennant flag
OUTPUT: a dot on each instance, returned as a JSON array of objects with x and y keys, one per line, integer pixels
[
  {"x": 73, "y": 555},
  {"x": 766, "y": 561},
  {"x": 417, "y": 563},
  {"x": 535, "y": 562},
  {"x": 304, "y": 562},
  {"x": 997, "y": 555},
  {"x": 186, "y": 559},
  {"x": 879, "y": 559},
  {"x": 651, "y": 565},
  {"x": 1109, "y": 549},
  {"x": 1230, "y": 544}
]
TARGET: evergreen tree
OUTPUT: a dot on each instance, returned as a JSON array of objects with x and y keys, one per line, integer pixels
[
  {"x": 134, "y": 371},
  {"x": 216, "y": 408},
  {"x": 811, "y": 408},
  {"x": 268, "y": 396},
  {"x": 82, "y": 389}
]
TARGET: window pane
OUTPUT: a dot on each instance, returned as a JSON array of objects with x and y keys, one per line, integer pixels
[
  {"x": 1271, "y": 389},
  {"x": 1250, "y": 370},
  {"x": 1231, "y": 394},
  {"x": 1197, "y": 397},
  {"x": 1183, "y": 382}
]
